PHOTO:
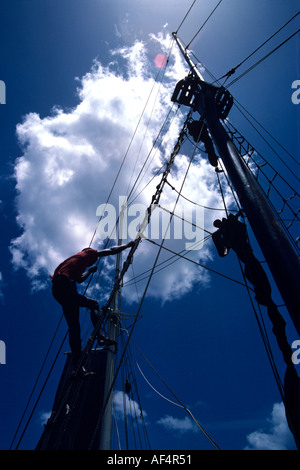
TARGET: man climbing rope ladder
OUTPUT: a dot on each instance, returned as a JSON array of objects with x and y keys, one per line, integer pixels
[{"x": 64, "y": 290}]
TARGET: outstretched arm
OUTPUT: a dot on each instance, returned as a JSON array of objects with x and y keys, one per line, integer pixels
[
  {"x": 115, "y": 249},
  {"x": 110, "y": 251},
  {"x": 86, "y": 274}
]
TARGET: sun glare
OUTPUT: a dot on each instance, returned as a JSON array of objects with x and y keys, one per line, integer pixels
[{"x": 160, "y": 61}]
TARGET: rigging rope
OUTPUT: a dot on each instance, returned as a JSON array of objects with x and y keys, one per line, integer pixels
[
  {"x": 263, "y": 58},
  {"x": 136, "y": 279},
  {"x": 266, "y": 131},
  {"x": 93, "y": 236},
  {"x": 155, "y": 200},
  {"x": 131, "y": 141},
  {"x": 146, "y": 130},
  {"x": 220, "y": 1},
  {"x": 41, "y": 392},
  {"x": 269, "y": 145},
  {"x": 35, "y": 385},
  {"x": 179, "y": 403},
  {"x": 118, "y": 177},
  {"x": 198, "y": 264},
  {"x": 155, "y": 143},
  {"x": 131, "y": 377},
  {"x": 261, "y": 171},
  {"x": 232, "y": 71},
  {"x": 183, "y": 20},
  {"x": 261, "y": 325},
  {"x": 252, "y": 117},
  {"x": 224, "y": 201},
  {"x": 196, "y": 203}
]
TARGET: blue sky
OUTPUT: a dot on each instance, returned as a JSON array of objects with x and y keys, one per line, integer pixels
[{"x": 77, "y": 76}]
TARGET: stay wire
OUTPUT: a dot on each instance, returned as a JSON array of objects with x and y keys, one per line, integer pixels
[
  {"x": 116, "y": 426},
  {"x": 132, "y": 138},
  {"x": 179, "y": 403},
  {"x": 263, "y": 58},
  {"x": 156, "y": 196},
  {"x": 209, "y": 16},
  {"x": 238, "y": 106},
  {"x": 229, "y": 184},
  {"x": 232, "y": 71},
  {"x": 155, "y": 199},
  {"x": 136, "y": 315},
  {"x": 124, "y": 409},
  {"x": 157, "y": 172},
  {"x": 196, "y": 203},
  {"x": 187, "y": 251},
  {"x": 261, "y": 326},
  {"x": 151, "y": 150},
  {"x": 222, "y": 194},
  {"x": 149, "y": 120},
  {"x": 61, "y": 317},
  {"x": 163, "y": 265},
  {"x": 267, "y": 132},
  {"x": 128, "y": 367},
  {"x": 184, "y": 18},
  {"x": 199, "y": 264},
  {"x": 173, "y": 214},
  {"x": 252, "y": 117},
  {"x": 42, "y": 390},
  {"x": 35, "y": 384},
  {"x": 93, "y": 236},
  {"x": 264, "y": 336},
  {"x": 126, "y": 153},
  {"x": 123, "y": 354}
]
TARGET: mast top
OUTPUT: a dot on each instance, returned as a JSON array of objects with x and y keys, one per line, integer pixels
[{"x": 189, "y": 90}]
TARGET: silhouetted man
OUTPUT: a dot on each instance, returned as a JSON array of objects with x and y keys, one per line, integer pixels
[
  {"x": 64, "y": 290},
  {"x": 198, "y": 130},
  {"x": 233, "y": 234}
]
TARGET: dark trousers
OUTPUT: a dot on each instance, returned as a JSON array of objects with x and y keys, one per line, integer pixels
[{"x": 65, "y": 293}]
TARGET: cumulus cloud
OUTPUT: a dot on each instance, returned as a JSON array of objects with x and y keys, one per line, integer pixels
[
  {"x": 71, "y": 158},
  {"x": 43, "y": 417},
  {"x": 181, "y": 425},
  {"x": 278, "y": 435},
  {"x": 123, "y": 403}
]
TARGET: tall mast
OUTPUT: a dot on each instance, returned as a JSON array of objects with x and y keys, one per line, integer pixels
[
  {"x": 211, "y": 103},
  {"x": 114, "y": 318}
]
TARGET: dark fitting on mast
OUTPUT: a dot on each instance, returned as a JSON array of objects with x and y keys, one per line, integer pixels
[
  {"x": 213, "y": 104},
  {"x": 188, "y": 92}
]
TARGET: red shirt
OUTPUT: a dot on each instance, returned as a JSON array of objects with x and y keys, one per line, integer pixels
[{"x": 76, "y": 265}]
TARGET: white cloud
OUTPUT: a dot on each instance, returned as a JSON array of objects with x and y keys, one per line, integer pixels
[
  {"x": 71, "y": 158},
  {"x": 122, "y": 402},
  {"x": 277, "y": 437},
  {"x": 176, "y": 424},
  {"x": 43, "y": 417}
]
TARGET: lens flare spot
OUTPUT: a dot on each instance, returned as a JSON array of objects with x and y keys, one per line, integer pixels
[{"x": 160, "y": 61}]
